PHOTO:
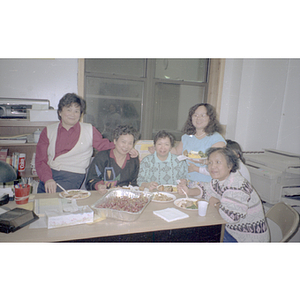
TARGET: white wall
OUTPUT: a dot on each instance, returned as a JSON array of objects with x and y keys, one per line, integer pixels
[
  {"x": 261, "y": 103},
  {"x": 38, "y": 78}
]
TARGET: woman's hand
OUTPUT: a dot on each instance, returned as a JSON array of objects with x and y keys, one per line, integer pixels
[
  {"x": 101, "y": 188},
  {"x": 133, "y": 153},
  {"x": 150, "y": 185},
  {"x": 50, "y": 186},
  {"x": 214, "y": 202},
  {"x": 181, "y": 187},
  {"x": 193, "y": 168}
]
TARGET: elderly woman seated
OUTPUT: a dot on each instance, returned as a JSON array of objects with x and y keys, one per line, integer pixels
[
  {"x": 161, "y": 167},
  {"x": 234, "y": 197}
]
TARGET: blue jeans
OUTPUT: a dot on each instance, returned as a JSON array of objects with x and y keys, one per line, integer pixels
[
  {"x": 228, "y": 238},
  {"x": 68, "y": 180}
]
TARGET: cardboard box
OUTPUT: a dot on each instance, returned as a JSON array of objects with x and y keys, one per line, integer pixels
[
  {"x": 56, "y": 218},
  {"x": 35, "y": 115}
]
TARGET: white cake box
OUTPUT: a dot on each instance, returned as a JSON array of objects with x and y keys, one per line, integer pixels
[
  {"x": 56, "y": 218},
  {"x": 35, "y": 115}
]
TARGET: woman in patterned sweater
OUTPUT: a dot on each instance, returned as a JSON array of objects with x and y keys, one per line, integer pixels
[
  {"x": 161, "y": 167},
  {"x": 233, "y": 195}
]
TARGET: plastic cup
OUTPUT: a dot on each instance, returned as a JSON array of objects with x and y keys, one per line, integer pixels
[
  {"x": 22, "y": 193},
  {"x": 202, "y": 208}
]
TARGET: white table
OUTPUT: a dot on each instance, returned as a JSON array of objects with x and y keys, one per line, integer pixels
[{"x": 147, "y": 228}]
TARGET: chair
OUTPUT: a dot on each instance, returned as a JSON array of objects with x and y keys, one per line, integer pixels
[
  {"x": 87, "y": 169},
  {"x": 285, "y": 217}
]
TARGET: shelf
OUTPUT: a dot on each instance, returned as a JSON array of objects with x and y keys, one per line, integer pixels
[
  {"x": 18, "y": 145},
  {"x": 27, "y": 173},
  {"x": 18, "y": 127},
  {"x": 23, "y": 122}
]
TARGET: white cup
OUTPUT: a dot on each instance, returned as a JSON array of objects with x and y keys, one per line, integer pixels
[{"x": 202, "y": 208}]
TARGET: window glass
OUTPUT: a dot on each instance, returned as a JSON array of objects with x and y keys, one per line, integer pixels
[
  {"x": 112, "y": 102},
  {"x": 172, "y": 104},
  {"x": 181, "y": 69},
  {"x": 120, "y": 91},
  {"x": 132, "y": 67}
]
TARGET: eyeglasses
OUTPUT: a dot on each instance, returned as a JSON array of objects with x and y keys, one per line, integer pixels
[{"x": 202, "y": 116}]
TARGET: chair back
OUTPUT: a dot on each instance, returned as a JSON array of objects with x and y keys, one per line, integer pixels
[{"x": 285, "y": 217}]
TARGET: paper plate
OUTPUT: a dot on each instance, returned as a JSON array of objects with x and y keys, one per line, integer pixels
[
  {"x": 199, "y": 160},
  {"x": 182, "y": 202},
  {"x": 162, "y": 195},
  {"x": 75, "y": 194}
]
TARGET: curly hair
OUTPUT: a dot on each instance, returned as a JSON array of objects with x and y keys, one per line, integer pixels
[
  {"x": 213, "y": 123},
  {"x": 67, "y": 100},
  {"x": 231, "y": 158},
  {"x": 164, "y": 134},
  {"x": 124, "y": 130}
]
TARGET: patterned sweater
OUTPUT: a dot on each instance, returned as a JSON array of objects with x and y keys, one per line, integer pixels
[
  {"x": 240, "y": 206},
  {"x": 162, "y": 172}
]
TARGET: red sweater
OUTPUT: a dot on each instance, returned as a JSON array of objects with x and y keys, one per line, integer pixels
[{"x": 66, "y": 140}]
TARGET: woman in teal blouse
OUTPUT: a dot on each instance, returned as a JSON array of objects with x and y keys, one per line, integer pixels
[
  {"x": 161, "y": 167},
  {"x": 202, "y": 130}
]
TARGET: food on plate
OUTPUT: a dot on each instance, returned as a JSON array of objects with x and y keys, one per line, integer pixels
[
  {"x": 75, "y": 194},
  {"x": 162, "y": 197},
  {"x": 125, "y": 203},
  {"x": 167, "y": 188},
  {"x": 187, "y": 204},
  {"x": 194, "y": 154}
]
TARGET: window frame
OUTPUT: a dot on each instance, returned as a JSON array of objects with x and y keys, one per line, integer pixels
[{"x": 213, "y": 88}]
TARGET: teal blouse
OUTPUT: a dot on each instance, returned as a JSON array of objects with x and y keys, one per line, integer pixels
[
  {"x": 190, "y": 142},
  {"x": 162, "y": 172}
]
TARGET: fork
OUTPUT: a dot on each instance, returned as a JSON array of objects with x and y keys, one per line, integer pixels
[
  {"x": 62, "y": 188},
  {"x": 178, "y": 181}
]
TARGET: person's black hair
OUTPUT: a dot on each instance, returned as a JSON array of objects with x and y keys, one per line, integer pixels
[
  {"x": 67, "y": 100},
  {"x": 124, "y": 130},
  {"x": 231, "y": 158},
  {"x": 213, "y": 123},
  {"x": 236, "y": 148},
  {"x": 163, "y": 134}
]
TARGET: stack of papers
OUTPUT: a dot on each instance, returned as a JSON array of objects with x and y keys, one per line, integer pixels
[{"x": 171, "y": 214}]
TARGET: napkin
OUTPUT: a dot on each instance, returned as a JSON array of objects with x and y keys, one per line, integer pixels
[{"x": 171, "y": 214}]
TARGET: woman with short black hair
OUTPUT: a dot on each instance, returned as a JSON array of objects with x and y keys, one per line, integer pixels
[
  {"x": 161, "y": 167},
  {"x": 65, "y": 148},
  {"x": 115, "y": 167}
]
